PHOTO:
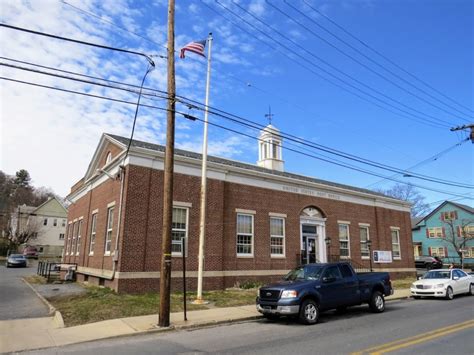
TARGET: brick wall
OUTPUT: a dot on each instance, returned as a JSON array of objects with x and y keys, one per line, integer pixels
[{"x": 140, "y": 242}]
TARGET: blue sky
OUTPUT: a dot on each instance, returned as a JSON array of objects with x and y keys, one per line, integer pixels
[{"x": 54, "y": 134}]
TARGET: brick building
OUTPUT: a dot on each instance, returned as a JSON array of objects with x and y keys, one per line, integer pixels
[{"x": 260, "y": 220}]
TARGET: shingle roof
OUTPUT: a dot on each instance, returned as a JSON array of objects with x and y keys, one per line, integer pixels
[{"x": 228, "y": 162}]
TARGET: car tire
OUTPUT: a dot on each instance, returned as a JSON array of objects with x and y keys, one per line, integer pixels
[
  {"x": 449, "y": 294},
  {"x": 416, "y": 297},
  {"x": 309, "y": 312},
  {"x": 377, "y": 302},
  {"x": 471, "y": 290}
]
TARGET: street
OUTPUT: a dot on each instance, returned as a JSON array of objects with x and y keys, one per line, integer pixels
[
  {"x": 17, "y": 300},
  {"x": 427, "y": 326}
]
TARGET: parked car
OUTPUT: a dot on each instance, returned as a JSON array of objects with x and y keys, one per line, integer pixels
[
  {"x": 16, "y": 260},
  {"x": 428, "y": 262},
  {"x": 312, "y": 288},
  {"x": 443, "y": 283},
  {"x": 30, "y": 252}
]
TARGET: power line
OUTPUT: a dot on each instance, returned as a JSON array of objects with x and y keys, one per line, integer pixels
[
  {"x": 384, "y": 57},
  {"x": 355, "y": 59},
  {"x": 331, "y": 74},
  {"x": 79, "y": 42},
  {"x": 297, "y": 140},
  {"x": 236, "y": 132},
  {"x": 254, "y": 125},
  {"x": 326, "y": 62}
]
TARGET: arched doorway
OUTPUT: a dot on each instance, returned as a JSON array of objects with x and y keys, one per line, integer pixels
[{"x": 313, "y": 233}]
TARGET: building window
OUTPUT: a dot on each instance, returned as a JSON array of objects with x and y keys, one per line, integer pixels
[
  {"x": 244, "y": 234},
  {"x": 74, "y": 235},
  {"x": 438, "y": 251},
  {"x": 69, "y": 237},
  {"x": 449, "y": 216},
  {"x": 344, "y": 249},
  {"x": 61, "y": 236},
  {"x": 79, "y": 234},
  {"x": 179, "y": 230},
  {"x": 396, "y": 243},
  {"x": 435, "y": 232},
  {"x": 63, "y": 223},
  {"x": 93, "y": 229},
  {"x": 364, "y": 237},
  {"x": 55, "y": 222},
  {"x": 277, "y": 236},
  {"x": 108, "y": 234},
  {"x": 45, "y": 222},
  {"x": 469, "y": 252}
]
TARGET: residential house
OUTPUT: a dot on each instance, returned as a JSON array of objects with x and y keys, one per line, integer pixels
[{"x": 447, "y": 227}]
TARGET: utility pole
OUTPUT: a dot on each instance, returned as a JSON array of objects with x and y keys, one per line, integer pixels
[
  {"x": 165, "y": 274},
  {"x": 466, "y": 126}
]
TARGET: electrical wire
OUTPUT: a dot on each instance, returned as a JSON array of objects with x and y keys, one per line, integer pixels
[
  {"x": 353, "y": 58},
  {"x": 256, "y": 126},
  {"x": 312, "y": 63},
  {"x": 236, "y": 132},
  {"x": 363, "y": 43}
]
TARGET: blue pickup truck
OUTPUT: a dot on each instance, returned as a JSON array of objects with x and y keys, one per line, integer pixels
[{"x": 310, "y": 289}]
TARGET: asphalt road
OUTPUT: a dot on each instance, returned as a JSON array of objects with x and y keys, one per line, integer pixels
[
  {"x": 407, "y": 327},
  {"x": 17, "y": 300}
]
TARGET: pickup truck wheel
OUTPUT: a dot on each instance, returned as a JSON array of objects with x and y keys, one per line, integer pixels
[
  {"x": 377, "y": 302},
  {"x": 309, "y": 312}
]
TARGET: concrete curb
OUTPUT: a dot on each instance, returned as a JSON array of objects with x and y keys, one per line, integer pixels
[{"x": 57, "y": 316}]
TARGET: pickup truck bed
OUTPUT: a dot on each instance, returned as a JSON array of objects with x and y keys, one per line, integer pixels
[{"x": 312, "y": 288}]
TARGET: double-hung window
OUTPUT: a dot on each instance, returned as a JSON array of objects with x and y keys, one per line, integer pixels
[
  {"x": 74, "y": 235},
  {"x": 93, "y": 231},
  {"x": 244, "y": 234},
  {"x": 364, "y": 238},
  {"x": 277, "y": 237},
  {"x": 68, "y": 241},
  {"x": 179, "y": 230},
  {"x": 108, "y": 234},
  {"x": 79, "y": 233},
  {"x": 395, "y": 232},
  {"x": 344, "y": 243}
]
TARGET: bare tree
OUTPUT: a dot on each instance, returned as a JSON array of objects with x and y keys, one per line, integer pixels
[
  {"x": 24, "y": 234},
  {"x": 407, "y": 192},
  {"x": 458, "y": 236}
]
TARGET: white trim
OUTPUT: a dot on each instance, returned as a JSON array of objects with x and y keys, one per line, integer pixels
[
  {"x": 244, "y": 255},
  {"x": 111, "y": 204},
  {"x": 180, "y": 254},
  {"x": 364, "y": 224},
  {"x": 192, "y": 167},
  {"x": 82, "y": 217},
  {"x": 95, "y": 211},
  {"x": 394, "y": 228},
  {"x": 274, "y": 214},
  {"x": 240, "y": 210},
  {"x": 182, "y": 204},
  {"x": 283, "y": 236},
  {"x": 343, "y": 222},
  {"x": 339, "y": 223}
]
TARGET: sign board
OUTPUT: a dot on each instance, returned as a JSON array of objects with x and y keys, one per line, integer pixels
[{"x": 382, "y": 256}]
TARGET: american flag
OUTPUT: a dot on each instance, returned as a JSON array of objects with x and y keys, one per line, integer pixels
[{"x": 195, "y": 47}]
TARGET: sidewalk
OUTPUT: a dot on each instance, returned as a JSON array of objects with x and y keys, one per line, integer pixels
[{"x": 36, "y": 333}]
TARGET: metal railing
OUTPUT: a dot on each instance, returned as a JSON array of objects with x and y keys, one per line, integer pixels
[
  {"x": 51, "y": 270},
  {"x": 356, "y": 265}
]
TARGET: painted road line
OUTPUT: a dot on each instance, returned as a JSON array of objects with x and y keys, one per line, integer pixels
[{"x": 401, "y": 343}]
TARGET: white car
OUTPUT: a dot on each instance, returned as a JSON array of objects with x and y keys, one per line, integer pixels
[{"x": 443, "y": 283}]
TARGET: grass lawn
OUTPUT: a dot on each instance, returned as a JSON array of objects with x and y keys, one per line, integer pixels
[
  {"x": 403, "y": 283},
  {"x": 99, "y": 304}
]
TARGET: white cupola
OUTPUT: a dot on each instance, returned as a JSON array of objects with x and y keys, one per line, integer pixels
[{"x": 269, "y": 149}]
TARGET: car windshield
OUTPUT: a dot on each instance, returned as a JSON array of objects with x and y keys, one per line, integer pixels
[
  {"x": 308, "y": 272},
  {"x": 437, "y": 274},
  {"x": 17, "y": 256}
]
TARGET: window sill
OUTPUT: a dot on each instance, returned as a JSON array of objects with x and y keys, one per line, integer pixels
[
  {"x": 107, "y": 254},
  {"x": 91, "y": 254},
  {"x": 397, "y": 258},
  {"x": 365, "y": 257},
  {"x": 345, "y": 257},
  {"x": 278, "y": 256},
  {"x": 245, "y": 256}
]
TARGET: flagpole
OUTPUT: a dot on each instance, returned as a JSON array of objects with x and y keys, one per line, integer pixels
[{"x": 202, "y": 221}]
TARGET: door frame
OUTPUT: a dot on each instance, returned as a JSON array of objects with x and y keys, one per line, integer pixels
[{"x": 320, "y": 224}]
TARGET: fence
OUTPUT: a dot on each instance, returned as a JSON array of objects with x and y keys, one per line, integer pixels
[{"x": 52, "y": 270}]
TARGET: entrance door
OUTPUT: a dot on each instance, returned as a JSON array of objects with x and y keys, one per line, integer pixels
[{"x": 309, "y": 250}]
